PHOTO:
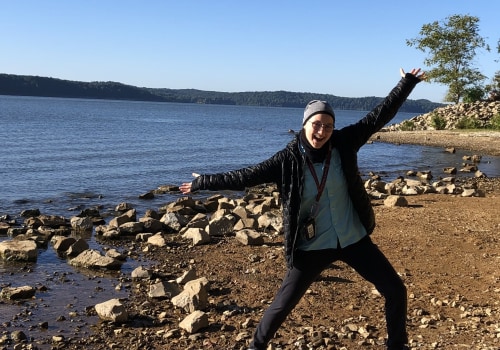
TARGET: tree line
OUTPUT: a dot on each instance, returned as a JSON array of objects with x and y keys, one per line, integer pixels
[{"x": 24, "y": 85}]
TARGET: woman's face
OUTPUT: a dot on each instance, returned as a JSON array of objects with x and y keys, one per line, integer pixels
[{"x": 318, "y": 129}]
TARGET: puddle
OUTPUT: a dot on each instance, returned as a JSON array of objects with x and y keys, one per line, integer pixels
[{"x": 64, "y": 295}]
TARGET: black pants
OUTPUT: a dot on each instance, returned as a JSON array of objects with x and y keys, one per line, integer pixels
[{"x": 367, "y": 260}]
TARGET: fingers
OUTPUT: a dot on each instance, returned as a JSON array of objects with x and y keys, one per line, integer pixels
[
  {"x": 185, "y": 187},
  {"x": 417, "y": 72}
]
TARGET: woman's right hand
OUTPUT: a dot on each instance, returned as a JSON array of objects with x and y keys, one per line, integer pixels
[{"x": 185, "y": 188}]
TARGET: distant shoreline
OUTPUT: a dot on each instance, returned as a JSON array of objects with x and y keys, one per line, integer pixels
[
  {"x": 28, "y": 85},
  {"x": 479, "y": 141}
]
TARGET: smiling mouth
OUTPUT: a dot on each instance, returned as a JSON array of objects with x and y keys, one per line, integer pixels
[{"x": 318, "y": 138}]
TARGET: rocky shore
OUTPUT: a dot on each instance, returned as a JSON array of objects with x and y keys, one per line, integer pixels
[
  {"x": 217, "y": 262},
  {"x": 421, "y": 130},
  {"x": 476, "y": 115}
]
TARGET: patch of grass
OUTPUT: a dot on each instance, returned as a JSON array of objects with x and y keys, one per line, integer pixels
[
  {"x": 438, "y": 122},
  {"x": 495, "y": 122},
  {"x": 407, "y": 125},
  {"x": 468, "y": 123}
]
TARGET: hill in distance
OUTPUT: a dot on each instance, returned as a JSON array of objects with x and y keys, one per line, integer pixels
[{"x": 28, "y": 85}]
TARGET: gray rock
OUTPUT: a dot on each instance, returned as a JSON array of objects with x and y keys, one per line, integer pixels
[
  {"x": 141, "y": 272},
  {"x": 18, "y": 337},
  {"x": 112, "y": 310},
  {"x": 193, "y": 297},
  {"x": 128, "y": 216},
  {"x": 194, "y": 322},
  {"x": 151, "y": 224},
  {"x": 61, "y": 243},
  {"x": 15, "y": 293},
  {"x": 19, "y": 250},
  {"x": 131, "y": 228},
  {"x": 249, "y": 237},
  {"x": 123, "y": 207},
  {"x": 395, "y": 201},
  {"x": 468, "y": 192},
  {"x": 198, "y": 221},
  {"x": 157, "y": 240},
  {"x": 92, "y": 259},
  {"x": 220, "y": 227},
  {"x": 30, "y": 213},
  {"x": 77, "y": 248},
  {"x": 163, "y": 290},
  {"x": 198, "y": 236},
  {"x": 174, "y": 221},
  {"x": 246, "y": 222},
  {"x": 54, "y": 221},
  {"x": 270, "y": 220},
  {"x": 187, "y": 276},
  {"x": 115, "y": 254},
  {"x": 20, "y": 233},
  {"x": 81, "y": 223}
]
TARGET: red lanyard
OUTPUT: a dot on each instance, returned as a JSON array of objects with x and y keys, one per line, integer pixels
[{"x": 319, "y": 186}]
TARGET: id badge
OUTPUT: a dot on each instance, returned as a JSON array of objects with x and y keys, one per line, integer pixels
[{"x": 309, "y": 229}]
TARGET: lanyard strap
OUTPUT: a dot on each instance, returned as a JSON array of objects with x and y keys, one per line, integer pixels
[{"x": 319, "y": 186}]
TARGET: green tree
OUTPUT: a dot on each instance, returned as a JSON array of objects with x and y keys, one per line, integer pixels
[
  {"x": 451, "y": 46},
  {"x": 494, "y": 87},
  {"x": 473, "y": 94}
]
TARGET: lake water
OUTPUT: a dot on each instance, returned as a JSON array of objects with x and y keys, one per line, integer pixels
[
  {"x": 64, "y": 155},
  {"x": 59, "y": 154}
]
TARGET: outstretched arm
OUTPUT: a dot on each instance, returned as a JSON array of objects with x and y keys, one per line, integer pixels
[
  {"x": 360, "y": 132},
  {"x": 268, "y": 171}
]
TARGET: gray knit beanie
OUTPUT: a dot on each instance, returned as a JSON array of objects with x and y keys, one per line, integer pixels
[{"x": 315, "y": 107}]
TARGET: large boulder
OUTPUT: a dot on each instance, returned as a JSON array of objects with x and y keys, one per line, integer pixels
[
  {"x": 22, "y": 250},
  {"x": 81, "y": 224},
  {"x": 193, "y": 297},
  {"x": 15, "y": 293},
  {"x": 194, "y": 322},
  {"x": 249, "y": 237},
  {"x": 112, "y": 310},
  {"x": 92, "y": 259},
  {"x": 198, "y": 236}
]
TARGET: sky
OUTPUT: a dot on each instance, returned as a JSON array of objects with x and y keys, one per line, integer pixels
[{"x": 350, "y": 49}]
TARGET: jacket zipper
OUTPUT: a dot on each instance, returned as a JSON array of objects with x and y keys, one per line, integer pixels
[{"x": 300, "y": 163}]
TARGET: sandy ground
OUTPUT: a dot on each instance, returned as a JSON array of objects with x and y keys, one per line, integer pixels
[
  {"x": 485, "y": 142},
  {"x": 446, "y": 249}
]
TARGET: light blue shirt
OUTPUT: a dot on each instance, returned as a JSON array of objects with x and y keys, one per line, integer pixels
[{"x": 336, "y": 221}]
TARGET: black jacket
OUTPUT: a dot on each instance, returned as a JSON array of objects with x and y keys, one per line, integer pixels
[{"x": 286, "y": 167}]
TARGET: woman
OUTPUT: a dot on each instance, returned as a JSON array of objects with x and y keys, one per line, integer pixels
[{"x": 327, "y": 214}]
